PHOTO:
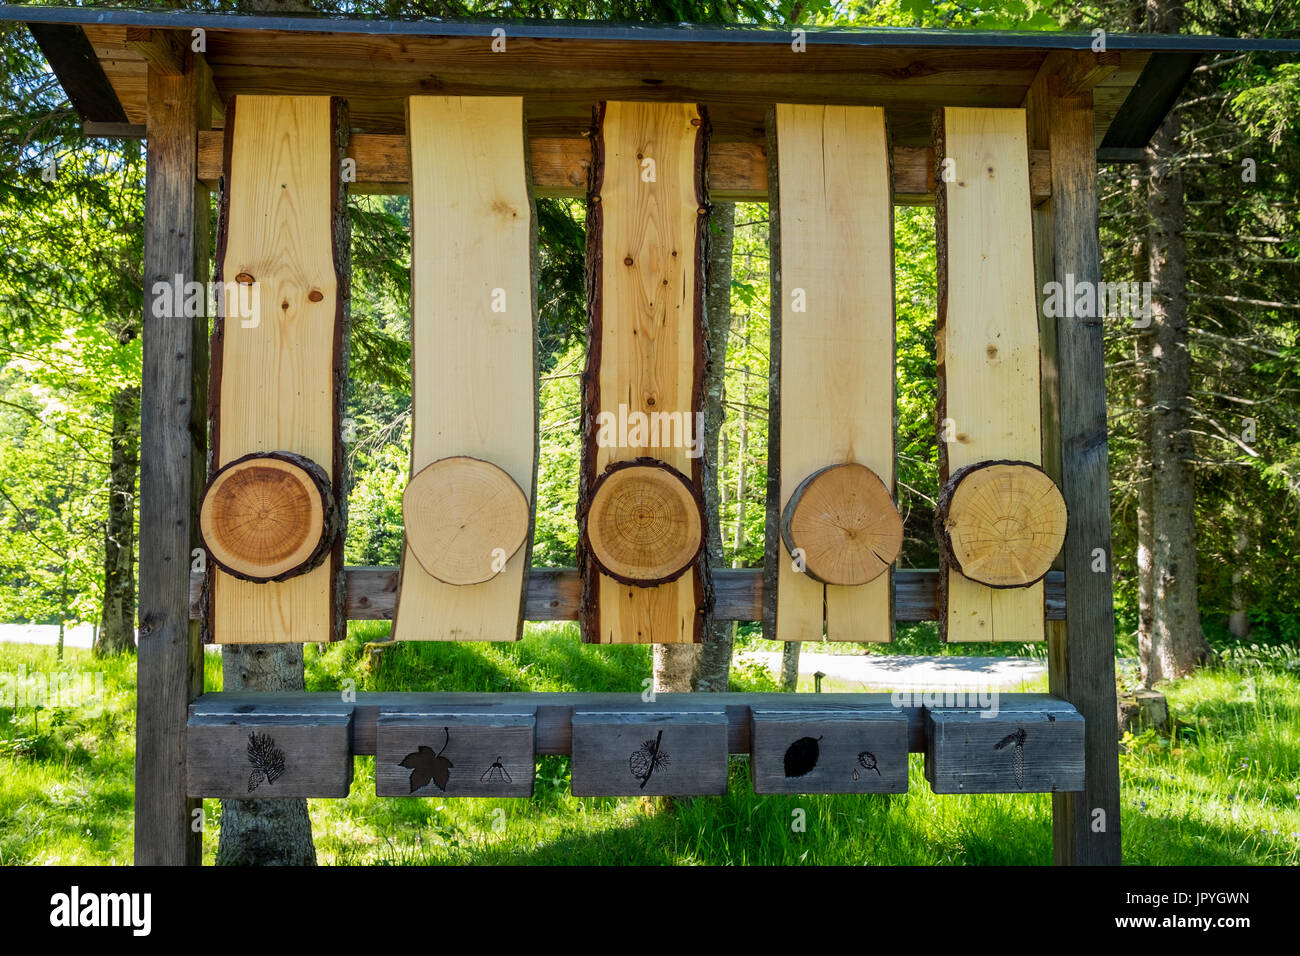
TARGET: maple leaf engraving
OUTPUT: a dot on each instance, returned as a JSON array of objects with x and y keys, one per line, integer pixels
[{"x": 425, "y": 765}]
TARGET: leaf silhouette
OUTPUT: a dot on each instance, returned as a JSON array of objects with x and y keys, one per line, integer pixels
[
  {"x": 801, "y": 756},
  {"x": 425, "y": 765}
]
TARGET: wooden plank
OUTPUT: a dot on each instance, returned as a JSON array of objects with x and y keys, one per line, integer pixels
[
  {"x": 169, "y": 657},
  {"x": 1086, "y": 827},
  {"x": 837, "y": 339},
  {"x": 455, "y": 754},
  {"x": 271, "y": 756},
  {"x": 987, "y": 340},
  {"x": 163, "y": 50},
  {"x": 474, "y": 378},
  {"x": 795, "y": 750},
  {"x": 647, "y": 232},
  {"x": 1007, "y": 751},
  {"x": 559, "y": 166},
  {"x": 554, "y": 710},
  {"x": 649, "y": 754},
  {"x": 554, "y": 594},
  {"x": 278, "y": 383}
]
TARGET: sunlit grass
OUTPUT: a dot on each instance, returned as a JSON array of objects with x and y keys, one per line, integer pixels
[{"x": 1223, "y": 787}]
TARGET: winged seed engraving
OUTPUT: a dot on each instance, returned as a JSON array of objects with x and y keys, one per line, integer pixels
[{"x": 267, "y": 760}]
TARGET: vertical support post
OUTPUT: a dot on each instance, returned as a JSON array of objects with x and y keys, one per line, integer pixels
[
  {"x": 173, "y": 446},
  {"x": 1085, "y": 825}
]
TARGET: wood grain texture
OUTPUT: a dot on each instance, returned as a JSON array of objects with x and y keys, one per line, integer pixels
[
  {"x": 1000, "y": 523},
  {"x": 555, "y": 593},
  {"x": 649, "y": 754},
  {"x": 1081, "y": 666},
  {"x": 473, "y": 306},
  {"x": 1030, "y": 751},
  {"x": 857, "y": 751},
  {"x": 986, "y": 339},
  {"x": 269, "y": 516},
  {"x": 464, "y": 519},
  {"x": 311, "y": 755},
  {"x": 555, "y": 710},
  {"x": 172, "y": 451},
  {"x": 836, "y": 339},
  {"x": 844, "y": 522},
  {"x": 560, "y": 166},
  {"x": 644, "y": 524},
  {"x": 278, "y": 375},
  {"x": 647, "y": 229},
  {"x": 490, "y": 755}
]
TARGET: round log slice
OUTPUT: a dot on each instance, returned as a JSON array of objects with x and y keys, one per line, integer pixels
[
  {"x": 644, "y": 523},
  {"x": 465, "y": 518},
  {"x": 1001, "y": 523},
  {"x": 844, "y": 519},
  {"x": 269, "y": 516}
]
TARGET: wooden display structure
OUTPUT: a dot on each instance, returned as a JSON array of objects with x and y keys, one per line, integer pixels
[{"x": 1003, "y": 130}]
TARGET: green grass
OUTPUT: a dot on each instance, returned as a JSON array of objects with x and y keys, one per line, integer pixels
[{"x": 1223, "y": 788}]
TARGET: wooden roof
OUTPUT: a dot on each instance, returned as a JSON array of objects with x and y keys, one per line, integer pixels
[{"x": 562, "y": 68}]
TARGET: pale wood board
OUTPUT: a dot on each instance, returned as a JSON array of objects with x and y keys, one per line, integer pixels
[
  {"x": 491, "y": 755},
  {"x": 474, "y": 376},
  {"x": 316, "y": 749},
  {"x": 695, "y": 745},
  {"x": 963, "y": 753},
  {"x": 277, "y": 377},
  {"x": 837, "y": 357},
  {"x": 843, "y": 736},
  {"x": 988, "y": 341},
  {"x": 648, "y": 335}
]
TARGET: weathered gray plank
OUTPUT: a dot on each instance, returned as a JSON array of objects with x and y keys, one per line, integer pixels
[
  {"x": 1004, "y": 751},
  {"x": 795, "y": 750},
  {"x": 554, "y": 711},
  {"x": 270, "y": 755},
  {"x": 455, "y": 754},
  {"x": 1086, "y": 826},
  {"x": 170, "y": 659},
  {"x": 649, "y": 754},
  {"x": 553, "y": 594}
]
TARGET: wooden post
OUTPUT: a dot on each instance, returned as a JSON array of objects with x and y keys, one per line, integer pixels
[
  {"x": 1085, "y": 825},
  {"x": 172, "y": 451}
]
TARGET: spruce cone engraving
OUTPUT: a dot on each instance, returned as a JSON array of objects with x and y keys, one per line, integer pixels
[
  {"x": 267, "y": 760},
  {"x": 646, "y": 759},
  {"x": 1017, "y": 740}
]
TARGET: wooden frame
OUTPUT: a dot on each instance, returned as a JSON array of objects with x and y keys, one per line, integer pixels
[{"x": 142, "y": 80}]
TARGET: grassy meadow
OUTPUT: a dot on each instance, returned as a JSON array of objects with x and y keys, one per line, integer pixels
[{"x": 1222, "y": 788}]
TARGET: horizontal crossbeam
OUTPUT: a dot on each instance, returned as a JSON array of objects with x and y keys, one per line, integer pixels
[{"x": 554, "y": 594}]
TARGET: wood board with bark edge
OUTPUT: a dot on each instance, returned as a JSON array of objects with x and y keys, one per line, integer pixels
[
  {"x": 474, "y": 373},
  {"x": 278, "y": 377},
  {"x": 986, "y": 340},
  {"x": 647, "y": 229},
  {"x": 833, "y": 263}
]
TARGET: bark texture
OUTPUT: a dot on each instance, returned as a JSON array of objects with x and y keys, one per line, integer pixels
[
  {"x": 1177, "y": 642},
  {"x": 264, "y": 832}
]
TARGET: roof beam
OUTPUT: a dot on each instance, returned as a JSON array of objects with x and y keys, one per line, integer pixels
[{"x": 737, "y": 171}]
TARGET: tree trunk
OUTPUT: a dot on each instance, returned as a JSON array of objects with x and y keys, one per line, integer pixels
[
  {"x": 117, "y": 618},
  {"x": 1177, "y": 642},
  {"x": 713, "y": 662},
  {"x": 264, "y": 832},
  {"x": 707, "y": 666},
  {"x": 1239, "y": 619},
  {"x": 790, "y": 665},
  {"x": 1145, "y": 481}
]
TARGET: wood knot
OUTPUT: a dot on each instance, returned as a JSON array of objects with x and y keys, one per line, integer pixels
[
  {"x": 244, "y": 278},
  {"x": 627, "y": 260},
  {"x": 315, "y": 295}
]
